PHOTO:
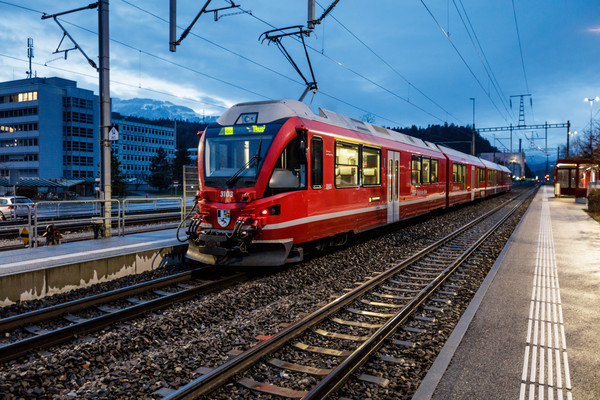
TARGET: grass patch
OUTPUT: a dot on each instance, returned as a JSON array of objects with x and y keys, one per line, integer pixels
[{"x": 594, "y": 215}]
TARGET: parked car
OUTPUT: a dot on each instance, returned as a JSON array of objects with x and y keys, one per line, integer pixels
[{"x": 14, "y": 207}]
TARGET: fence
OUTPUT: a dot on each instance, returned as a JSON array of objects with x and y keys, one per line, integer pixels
[{"x": 89, "y": 213}]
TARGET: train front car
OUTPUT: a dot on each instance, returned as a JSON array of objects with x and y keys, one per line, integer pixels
[{"x": 252, "y": 169}]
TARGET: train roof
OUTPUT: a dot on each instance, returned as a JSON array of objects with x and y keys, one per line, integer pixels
[
  {"x": 269, "y": 111},
  {"x": 458, "y": 154},
  {"x": 493, "y": 165}
]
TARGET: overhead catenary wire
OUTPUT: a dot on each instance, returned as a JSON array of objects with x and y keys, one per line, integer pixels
[
  {"x": 255, "y": 62},
  {"x": 249, "y": 60},
  {"x": 409, "y": 83},
  {"x": 339, "y": 63},
  {"x": 481, "y": 54},
  {"x": 270, "y": 69},
  {"x": 464, "y": 61},
  {"x": 520, "y": 46},
  {"x": 521, "y": 53},
  {"x": 116, "y": 82},
  {"x": 152, "y": 55}
]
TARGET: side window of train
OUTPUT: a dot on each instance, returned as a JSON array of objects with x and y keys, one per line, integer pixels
[
  {"x": 459, "y": 174},
  {"x": 371, "y": 161},
  {"x": 316, "y": 163},
  {"x": 416, "y": 170},
  {"x": 480, "y": 176},
  {"x": 454, "y": 172},
  {"x": 434, "y": 171},
  {"x": 425, "y": 170},
  {"x": 289, "y": 173},
  {"x": 347, "y": 164}
]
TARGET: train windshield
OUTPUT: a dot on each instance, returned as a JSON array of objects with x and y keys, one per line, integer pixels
[{"x": 234, "y": 155}]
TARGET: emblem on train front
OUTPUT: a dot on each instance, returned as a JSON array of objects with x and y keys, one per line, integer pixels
[{"x": 223, "y": 217}]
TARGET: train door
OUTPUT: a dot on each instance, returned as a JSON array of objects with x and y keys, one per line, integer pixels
[
  {"x": 473, "y": 177},
  {"x": 393, "y": 187}
]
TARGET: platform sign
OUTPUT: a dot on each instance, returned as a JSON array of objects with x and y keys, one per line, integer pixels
[{"x": 24, "y": 233}]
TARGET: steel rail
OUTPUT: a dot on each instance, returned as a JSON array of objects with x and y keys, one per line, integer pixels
[
  {"x": 212, "y": 380},
  {"x": 338, "y": 377},
  {"x": 44, "y": 314},
  {"x": 16, "y": 349}
]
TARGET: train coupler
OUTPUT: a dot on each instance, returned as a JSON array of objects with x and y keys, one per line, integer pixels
[{"x": 195, "y": 225}]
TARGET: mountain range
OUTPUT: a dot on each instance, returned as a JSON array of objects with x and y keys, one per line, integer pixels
[{"x": 157, "y": 109}]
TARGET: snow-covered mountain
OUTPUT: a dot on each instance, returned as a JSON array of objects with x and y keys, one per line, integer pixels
[{"x": 157, "y": 109}]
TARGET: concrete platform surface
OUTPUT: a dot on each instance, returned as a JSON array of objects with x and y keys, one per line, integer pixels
[
  {"x": 28, "y": 274},
  {"x": 23, "y": 260},
  {"x": 533, "y": 329}
]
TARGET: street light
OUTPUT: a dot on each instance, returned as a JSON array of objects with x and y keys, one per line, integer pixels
[
  {"x": 591, "y": 127},
  {"x": 569, "y": 134}
]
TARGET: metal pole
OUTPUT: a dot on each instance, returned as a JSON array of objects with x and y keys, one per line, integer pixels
[
  {"x": 311, "y": 15},
  {"x": 511, "y": 129},
  {"x": 591, "y": 131},
  {"x": 173, "y": 25},
  {"x": 104, "y": 99},
  {"x": 546, "y": 136},
  {"x": 568, "y": 134},
  {"x": 473, "y": 139}
]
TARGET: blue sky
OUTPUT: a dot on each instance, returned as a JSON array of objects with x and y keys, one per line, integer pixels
[{"x": 389, "y": 59}]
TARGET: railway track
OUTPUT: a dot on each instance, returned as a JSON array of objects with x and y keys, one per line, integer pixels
[
  {"x": 61, "y": 323},
  {"x": 319, "y": 354}
]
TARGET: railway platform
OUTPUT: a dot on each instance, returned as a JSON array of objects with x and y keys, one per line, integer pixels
[
  {"x": 533, "y": 329},
  {"x": 27, "y": 274}
]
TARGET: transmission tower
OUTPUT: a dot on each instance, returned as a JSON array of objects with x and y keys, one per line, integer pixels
[{"x": 522, "y": 107}]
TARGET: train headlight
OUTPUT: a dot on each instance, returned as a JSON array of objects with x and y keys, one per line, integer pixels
[{"x": 273, "y": 210}]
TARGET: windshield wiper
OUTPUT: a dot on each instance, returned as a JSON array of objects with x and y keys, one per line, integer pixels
[{"x": 255, "y": 159}]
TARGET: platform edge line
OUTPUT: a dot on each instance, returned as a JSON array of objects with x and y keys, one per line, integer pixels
[{"x": 431, "y": 381}]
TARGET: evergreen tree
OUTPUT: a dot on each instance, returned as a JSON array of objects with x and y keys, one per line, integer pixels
[
  {"x": 160, "y": 170},
  {"x": 117, "y": 181},
  {"x": 182, "y": 158}
]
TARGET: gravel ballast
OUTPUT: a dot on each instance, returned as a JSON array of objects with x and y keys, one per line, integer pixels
[{"x": 165, "y": 349}]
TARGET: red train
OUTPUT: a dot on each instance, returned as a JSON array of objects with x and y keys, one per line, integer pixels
[{"x": 275, "y": 178}]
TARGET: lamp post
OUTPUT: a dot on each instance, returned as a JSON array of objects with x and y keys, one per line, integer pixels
[
  {"x": 569, "y": 134},
  {"x": 591, "y": 101}
]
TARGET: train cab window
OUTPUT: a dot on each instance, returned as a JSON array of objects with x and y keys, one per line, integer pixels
[
  {"x": 289, "y": 173},
  {"x": 425, "y": 170},
  {"x": 434, "y": 171},
  {"x": 316, "y": 163},
  {"x": 346, "y": 165},
  {"x": 371, "y": 161},
  {"x": 416, "y": 170}
]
